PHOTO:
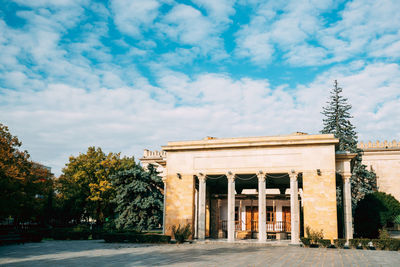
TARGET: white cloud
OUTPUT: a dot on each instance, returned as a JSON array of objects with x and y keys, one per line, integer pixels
[
  {"x": 363, "y": 28},
  {"x": 219, "y": 11},
  {"x": 133, "y": 16},
  {"x": 61, "y": 120}
]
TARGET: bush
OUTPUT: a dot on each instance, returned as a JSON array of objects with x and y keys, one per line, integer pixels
[
  {"x": 386, "y": 244},
  {"x": 339, "y": 243},
  {"x": 324, "y": 242},
  {"x": 32, "y": 236},
  {"x": 181, "y": 233},
  {"x": 306, "y": 241},
  {"x": 133, "y": 237},
  {"x": 355, "y": 243},
  {"x": 80, "y": 232},
  {"x": 314, "y": 235},
  {"x": 374, "y": 212}
]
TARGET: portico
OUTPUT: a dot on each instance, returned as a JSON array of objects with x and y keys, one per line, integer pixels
[{"x": 255, "y": 187}]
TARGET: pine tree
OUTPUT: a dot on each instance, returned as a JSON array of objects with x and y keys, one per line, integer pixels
[
  {"x": 337, "y": 122},
  {"x": 139, "y": 198}
]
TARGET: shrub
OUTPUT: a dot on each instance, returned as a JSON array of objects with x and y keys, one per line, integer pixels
[
  {"x": 354, "y": 243},
  {"x": 314, "y": 235},
  {"x": 383, "y": 234},
  {"x": 80, "y": 232},
  {"x": 32, "y": 236},
  {"x": 306, "y": 241},
  {"x": 365, "y": 243},
  {"x": 379, "y": 243},
  {"x": 324, "y": 242},
  {"x": 374, "y": 212},
  {"x": 339, "y": 243},
  {"x": 181, "y": 233},
  {"x": 388, "y": 244}
]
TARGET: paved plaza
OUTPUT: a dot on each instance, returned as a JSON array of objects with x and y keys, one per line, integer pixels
[{"x": 97, "y": 253}]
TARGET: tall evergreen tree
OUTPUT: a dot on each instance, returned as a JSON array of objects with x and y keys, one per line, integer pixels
[
  {"x": 337, "y": 122},
  {"x": 139, "y": 198}
]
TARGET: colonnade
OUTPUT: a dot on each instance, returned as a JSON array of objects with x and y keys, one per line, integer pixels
[{"x": 262, "y": 224}]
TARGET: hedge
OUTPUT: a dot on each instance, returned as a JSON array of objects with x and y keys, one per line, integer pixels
[
  {"x": 324, "y": 242},
  {"x": 339, "y": 243},
  {"x": 135, "y": 238},
  {"x": 358, "y": 243},
  {"x": 77, "y": 233}
]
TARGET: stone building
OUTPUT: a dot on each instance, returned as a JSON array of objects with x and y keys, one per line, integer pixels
[
  {"x": 384, "y": 159},
  {"x": 264, "y": 187}
]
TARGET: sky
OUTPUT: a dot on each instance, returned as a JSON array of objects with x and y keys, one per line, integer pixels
[{"x": 126, "y": 75}]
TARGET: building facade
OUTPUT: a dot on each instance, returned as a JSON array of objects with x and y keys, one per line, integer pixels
[
  {"x": 384, "y": 159},
  {"x": 254, "y": 187}
]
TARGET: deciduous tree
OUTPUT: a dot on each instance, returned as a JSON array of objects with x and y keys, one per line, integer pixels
[
  {"x": 24, "y": 185},
  {"x": 85, "y": 187}
]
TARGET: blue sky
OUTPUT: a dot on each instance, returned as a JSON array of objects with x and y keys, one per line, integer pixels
[{"x": 128, "y": 75}]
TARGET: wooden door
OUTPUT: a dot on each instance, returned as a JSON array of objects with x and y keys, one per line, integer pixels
[
  {"x": 286, "y": 218},
  {"x": 251, "y": 216}
]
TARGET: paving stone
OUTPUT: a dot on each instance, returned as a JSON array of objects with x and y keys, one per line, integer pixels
[{"x": 97, "y": 253}]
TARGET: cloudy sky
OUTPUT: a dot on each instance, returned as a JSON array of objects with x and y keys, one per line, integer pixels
[{"x": 132, "y": 74}]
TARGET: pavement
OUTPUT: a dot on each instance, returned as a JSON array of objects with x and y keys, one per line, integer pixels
[{"x": 98, "y": 253}]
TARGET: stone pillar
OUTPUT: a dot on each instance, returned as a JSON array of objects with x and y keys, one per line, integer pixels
[
  {"x": 196, "y": 212},
  {"x": 240, "y": 214},
  {"x": 164, "y": 179},
  {"x": 294, "y": 209},
  {"x": 262, "y": 216},
  {"x": 348, "y": 218},
  {"x": 231, "y": 206},
  {"x": 201, "y": 232}
]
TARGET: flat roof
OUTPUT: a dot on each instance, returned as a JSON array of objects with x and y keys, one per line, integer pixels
[{"x": 236, "y": 142}]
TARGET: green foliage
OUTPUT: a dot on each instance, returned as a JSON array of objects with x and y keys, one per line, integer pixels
[
  {"x": 339, "y": 243},
  {"x": 397, "y": 219},
  {"x": 181, "y": 234},
  {"x": 383, "y": 234},
  {"x": 24, "y": 185},
  {"x": 79, "y": 232},
  {"x": 139, "y": 198},
  {"x": 386, "y": 244},
  {"x": 133, "y": 237},
  {"x": 324, "y": 242},
  {"x": 337, "y": 122},
  {"x": 360, "y": 243},
  {"x": 314, "y": 235},
  {"x": 374, "y": 212},
  {"x": 85, "y": 189},
  {"x": 306, "y": 241}
]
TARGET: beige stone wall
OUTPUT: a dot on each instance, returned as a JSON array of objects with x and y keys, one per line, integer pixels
[
  {"x": 179, "y": 201},
  {"x": 319, "y": 202},
  {"x": 386, "y": 164}
]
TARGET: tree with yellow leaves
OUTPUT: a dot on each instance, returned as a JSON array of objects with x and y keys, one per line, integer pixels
[{"x": 84, "y": 186}]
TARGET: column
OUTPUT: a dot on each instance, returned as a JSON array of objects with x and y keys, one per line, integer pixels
[
  {"x": 196, "y": 211},
  {"x": 348, "y": 218},
  {"x": 262, "y": 216},
  {"x": 231, "y": 206},
  {"x": 201, "y": 231},
  {"x": 164, "y": 179},
  {"x": 294, "y": 209}
]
